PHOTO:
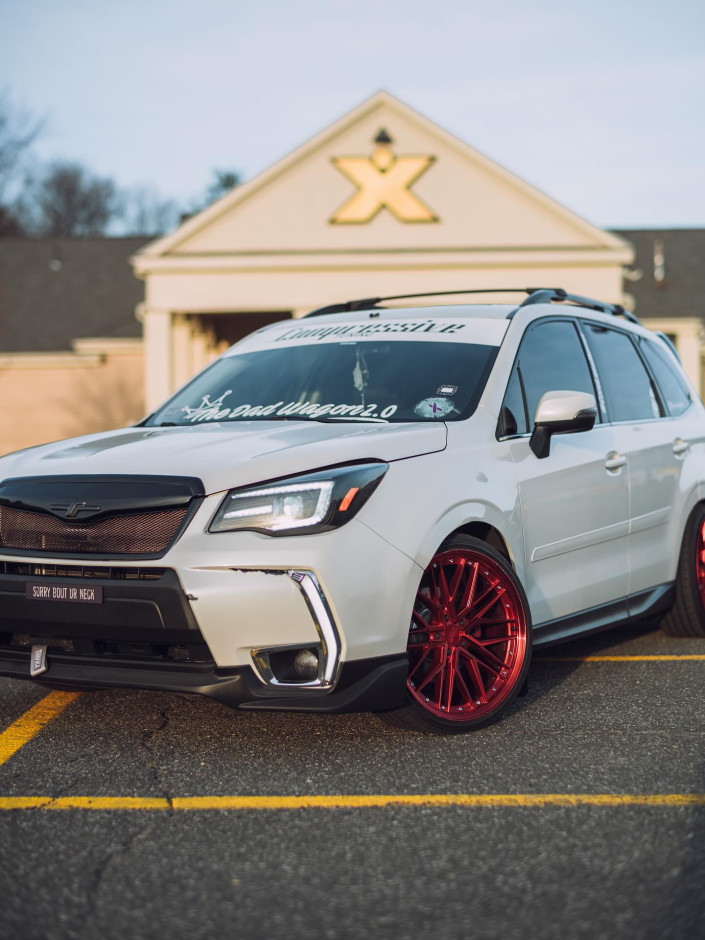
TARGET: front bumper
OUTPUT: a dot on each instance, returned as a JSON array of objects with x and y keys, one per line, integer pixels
[{"x": 219, "y": 619}]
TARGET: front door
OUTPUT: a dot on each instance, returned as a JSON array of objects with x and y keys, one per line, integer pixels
[{"x": 575, "y": 502}]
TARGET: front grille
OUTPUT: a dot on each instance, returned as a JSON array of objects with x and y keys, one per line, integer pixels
[
  {"x": 92, "y": 572},
  {"x": 172, "y": 649},
  {"x": 142, "y": 533}
]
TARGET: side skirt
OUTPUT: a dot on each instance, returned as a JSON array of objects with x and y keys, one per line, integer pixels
[{"x": 640, "y": 606}]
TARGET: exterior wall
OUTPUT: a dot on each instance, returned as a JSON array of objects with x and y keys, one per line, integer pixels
[
  {"x": 319, "y": 281},
  {"x": 49, "y": 396}
]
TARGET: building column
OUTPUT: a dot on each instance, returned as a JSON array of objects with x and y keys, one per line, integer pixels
[
  {"x": 158, "y": 356},
  {"x": 686, "y": 333},
  {"x": 182, "y": 330},
  {"x": 691, "y": 355}
]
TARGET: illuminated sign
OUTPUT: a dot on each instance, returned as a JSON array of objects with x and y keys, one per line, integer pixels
[{"x": 383, "y": 181}]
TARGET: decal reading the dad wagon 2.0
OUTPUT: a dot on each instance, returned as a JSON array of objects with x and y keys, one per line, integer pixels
[{"x": 214, "y": 411}]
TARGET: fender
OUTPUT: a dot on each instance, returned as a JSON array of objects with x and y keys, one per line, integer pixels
[{"x": 507, "y": 524}]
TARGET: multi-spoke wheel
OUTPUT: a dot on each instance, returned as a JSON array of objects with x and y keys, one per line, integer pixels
[
  {"x": 469, "y": 642},
  {"x": 687, "y": 616}
]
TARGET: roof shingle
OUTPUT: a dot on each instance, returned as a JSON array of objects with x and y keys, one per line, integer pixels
[
  {"x": 682, "y": 293},
  {"x": 53, "y": 290}
]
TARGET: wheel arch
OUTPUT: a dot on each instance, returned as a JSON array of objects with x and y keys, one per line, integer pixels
[
  {"x": 693, "y": 497},
  {"x": 501, "y": 530},
  {"x": 486, "y": 533}
]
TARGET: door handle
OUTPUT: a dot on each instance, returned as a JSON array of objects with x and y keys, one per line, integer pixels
[
  {"x": 680, "y": 446},
  {"x": 614, "y": 461}
]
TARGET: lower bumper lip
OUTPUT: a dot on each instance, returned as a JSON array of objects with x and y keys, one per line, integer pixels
[{"x": 363, "y": 685}]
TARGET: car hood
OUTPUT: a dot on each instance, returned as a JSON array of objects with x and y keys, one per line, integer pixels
[{"x": 224, "y": 456}]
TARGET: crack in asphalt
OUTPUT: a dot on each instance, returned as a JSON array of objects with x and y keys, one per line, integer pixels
[
  {"x": 122, "y": 850},
  {"x": 153, "y": 765},
  {"x": 94, "y": 888}
]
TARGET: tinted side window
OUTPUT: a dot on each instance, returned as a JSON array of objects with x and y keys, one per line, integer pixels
[
  {"x": 629, "y": 395},
  {"x": 673, "y": 390},
  {"x": 551, "y": 358}
]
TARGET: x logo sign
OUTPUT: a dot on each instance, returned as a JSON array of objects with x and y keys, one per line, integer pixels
[{"x": 383, "y": 181}]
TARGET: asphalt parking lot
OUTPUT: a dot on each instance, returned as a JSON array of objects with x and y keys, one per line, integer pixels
[{"x": 582, "y": 814}]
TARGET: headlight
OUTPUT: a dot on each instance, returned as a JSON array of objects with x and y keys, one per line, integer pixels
[{"x": 313, "y": 502}]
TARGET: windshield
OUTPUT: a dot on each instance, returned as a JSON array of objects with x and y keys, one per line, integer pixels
[{"x": 346, "y": 381}]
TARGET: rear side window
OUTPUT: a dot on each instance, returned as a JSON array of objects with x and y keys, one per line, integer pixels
[
  {"x": 673, "y": 389},
  {"x": 551, "y": 358},
  {"x": 627, "y": 389}
]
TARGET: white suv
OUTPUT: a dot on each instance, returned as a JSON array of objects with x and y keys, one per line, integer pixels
[{"x": 372, "y": 508}]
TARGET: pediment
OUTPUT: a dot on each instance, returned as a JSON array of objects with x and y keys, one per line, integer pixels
[{"x": 382, "y": 179}]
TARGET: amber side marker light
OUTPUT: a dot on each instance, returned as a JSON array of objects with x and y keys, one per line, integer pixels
[{"x": 348, "y": 498}]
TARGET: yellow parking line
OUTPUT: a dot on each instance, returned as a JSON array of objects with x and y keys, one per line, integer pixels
[
  {"x": 620, "y": 659},
  {"x": 349, "y": 801},
  {"x": 32, "y": 722}
]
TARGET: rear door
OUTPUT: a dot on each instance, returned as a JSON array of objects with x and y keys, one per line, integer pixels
[
  {"x": 648, "y": 406},
  {"x": 575, "y": 502}
]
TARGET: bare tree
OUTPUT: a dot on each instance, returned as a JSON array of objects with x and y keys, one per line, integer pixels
[
  {"x": 67, "y": 199},
  {"x": 145, "y": 212},
  {"x": 10, "y": 223},
  {"x": 18, "y": 131}
]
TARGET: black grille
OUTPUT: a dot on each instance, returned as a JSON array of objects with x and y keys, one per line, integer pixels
[
  {"x": 172, "y": 649},
  {"x": 93, "y": 572},
  {"x": 142, "y": 533}
]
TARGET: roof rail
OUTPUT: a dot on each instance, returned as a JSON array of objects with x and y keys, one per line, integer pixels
[
  {"x": 370, "y": 303},
  {"x": 537, "y": 295},
  {"x": 547, "y": 295}
]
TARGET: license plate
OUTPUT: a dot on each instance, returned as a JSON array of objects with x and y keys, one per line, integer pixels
[{"x": 74, "y": 593}]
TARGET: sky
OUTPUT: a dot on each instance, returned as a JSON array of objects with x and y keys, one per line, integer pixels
[{"x": 600, "y": 104}]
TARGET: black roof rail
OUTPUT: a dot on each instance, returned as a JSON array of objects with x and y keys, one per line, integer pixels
[
  {"x": 371, "y": 303},
  {"x": 537, "y": 295},
  {"x": 547, "y": 295}
]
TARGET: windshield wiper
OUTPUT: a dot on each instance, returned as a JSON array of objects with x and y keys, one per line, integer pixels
[
  {"x": 324, "y": 419},
  {"x": 329, "y": 419}
]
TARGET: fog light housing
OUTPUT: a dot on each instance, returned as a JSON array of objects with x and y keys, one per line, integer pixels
[{"x": 306, "y": 664}]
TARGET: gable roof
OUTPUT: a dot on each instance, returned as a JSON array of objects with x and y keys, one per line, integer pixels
[
  {"x": 53, "y": 290},
  {"x": 682, "y": 291},
  {"x": 191, "y": 235}
]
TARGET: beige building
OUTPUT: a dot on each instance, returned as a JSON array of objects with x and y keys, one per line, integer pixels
[{"x": 382, "y": 202}]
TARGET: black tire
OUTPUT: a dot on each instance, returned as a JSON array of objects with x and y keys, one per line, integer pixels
[
  {"x": 469, "y": 641},
  {"x": 687, "y": 616}
]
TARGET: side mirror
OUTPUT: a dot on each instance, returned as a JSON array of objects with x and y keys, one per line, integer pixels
[{"x": 561, "y": 412}]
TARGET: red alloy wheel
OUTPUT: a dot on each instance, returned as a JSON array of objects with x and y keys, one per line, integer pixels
[
  {"x": 700, "y": 563},
  {"x": 468, "y": 637}
]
